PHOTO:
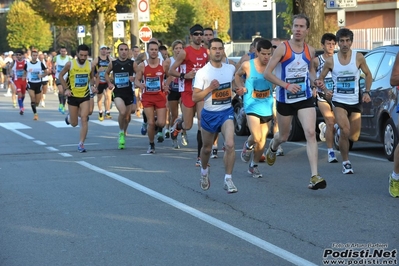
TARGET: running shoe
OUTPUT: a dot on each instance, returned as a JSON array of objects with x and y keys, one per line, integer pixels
[
  {"x": 347, "y": 168},
  {"x": 204, "y": 181},
  {"x": 198, "y": 162},
  {"x": 14, "y": 104},
  {"x": 121, "y": 141},
  {"x": 246, "y": 153},
  {"x": 214, "y": 153},
  {"x": 262, "y": 158},
  {"x": 167, "y": 134},
  {"x": 100, "y": 116},
  {"x": 317, "y": 182},
  {"x": 21, "y": 111},
  {"x": 322, "y": 127},
  {"x": 160, "y": 137},
  {"x": 280, "y": 151},
  {"x": 143, "y": 129},
  {"x": 184, "y": 138},
  {"x": 108, "y": 115},
  {"x": 61, "y": 109},
  {"x": 81, "y": 148},
  {"x": 66, "y": 121},
  {"x": 151, "y": 149},
  {"x": 332, "y": 158},
  {"x": 229, "y": 186},
  {"x": 35, "y": 117},
  {"x": 174, "y": 132},
  {"x": 393, "y": 187},
  {"x": 43, "y": 104},
  {"x": 175, "y": 144},
  {"x": 270, "y": 155},
  {"x": 254, "y": 171}
]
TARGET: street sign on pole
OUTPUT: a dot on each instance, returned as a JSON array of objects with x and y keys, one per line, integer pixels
[
  {"x": 251, "y": 5},
  {"x": 341, "y": 18},
  {"x": 340, "y": 3},
  {"x": 124, "y": 16},
  {"x": 143, "y": 10},
  {"x": 145, "y": 34},
  {"x": 118, "y": 29},
  {"x": 81, "y": 31}
]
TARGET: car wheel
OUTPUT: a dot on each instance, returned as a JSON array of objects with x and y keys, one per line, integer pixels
[
  {"x": 390, "y": 139},
  {"x": 240, "y": 120},
  {"x": 336, "y": 142},
  {"x": 296, "y": 133}
]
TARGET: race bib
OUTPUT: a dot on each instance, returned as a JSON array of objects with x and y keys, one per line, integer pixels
[
  {"x": 299, "y": 81},
  {"x": 101, "y": 75},
  {"x": 81, "y": 80},
  {"x": 329, "y": 83},
  {"x": 34, "y": 76},
  {"x": 121, "y": 79},
  {"x": 222, "y": 95},
  {"x": 59, "y": 68},
  {"x": 153, "y": 84},
  {"x": 346, "y": 85},
  {"x": 257, "y": 94},
  {"x": 19, "y": 73}
]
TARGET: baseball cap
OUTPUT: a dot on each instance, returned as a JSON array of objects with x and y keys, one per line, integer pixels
[
  {"x": 103, "y": 46},
  {"x": 6, "y": 54},
  {"x": 11, "y": 52}
]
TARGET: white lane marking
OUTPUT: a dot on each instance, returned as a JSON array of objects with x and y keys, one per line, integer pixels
[
  {"x": 63, "y": 154},
  {"x": 39, "y": 142},
  {"x": 86, "y": 144},
  {"x": 59, "y": 124},
  {"x": 351, "y": 153},
  {"x": 282, "y": 253},
  {"x": 106, "y": 123},
  {"x": 21, "y": 134},
  {"x": 51, "y": 149},
  {"x": 14, "y": 125}
]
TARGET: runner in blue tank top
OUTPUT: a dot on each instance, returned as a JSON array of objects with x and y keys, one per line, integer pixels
[{"x": 258, "y": 104}]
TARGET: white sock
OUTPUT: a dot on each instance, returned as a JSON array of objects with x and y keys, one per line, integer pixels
[
  {"x": 330, "y": 150},
  {"x": 395, "y": 175},
  {"x": 345, "y": 162},
  {"x": 204, "y": 171},
  {"x": 226, "y": 176}
]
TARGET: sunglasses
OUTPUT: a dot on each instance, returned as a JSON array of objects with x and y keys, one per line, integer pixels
[
  {"x": 274, "y": 46},
  {"x": 18, "y": 54},
  {"x": 198, "y": 34}
]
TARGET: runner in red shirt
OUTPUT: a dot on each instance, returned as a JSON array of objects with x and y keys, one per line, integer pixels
[
  {"x": 191, "y": 59},
  {"x": 19, "y": 75},
  {"x": 153, "y": 98}
]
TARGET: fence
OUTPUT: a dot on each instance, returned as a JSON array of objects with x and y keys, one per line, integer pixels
[{"x": 362, "y": 39}]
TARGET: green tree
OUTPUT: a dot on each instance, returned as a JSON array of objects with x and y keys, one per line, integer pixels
[
  {"x": 3, "y": 33},
  {"x": 25, "y": 28}
]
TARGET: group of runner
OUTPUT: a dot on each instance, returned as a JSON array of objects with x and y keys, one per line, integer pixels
[{"x": 203, "y": 81}]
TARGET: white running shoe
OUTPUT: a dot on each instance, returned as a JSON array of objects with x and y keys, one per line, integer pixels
[{"x": 322, "y": 127}]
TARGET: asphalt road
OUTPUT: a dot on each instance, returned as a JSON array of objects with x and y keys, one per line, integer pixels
[{"x": 124, "y": 207}]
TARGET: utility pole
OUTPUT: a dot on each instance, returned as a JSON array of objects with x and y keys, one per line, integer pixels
[{"x": 134, "y": 25}]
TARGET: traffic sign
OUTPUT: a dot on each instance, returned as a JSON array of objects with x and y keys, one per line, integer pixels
[
  {"x": 341, "y": 3},
  {"x": 341, "y": 18},
  {"x": 124, "y": 16},
  {"x": 251, "y": 5},
  {"x": 143, "y": 10},
  {"x": 118, "y": 29},
  {"x": 81, "y": 31},
  {"x": 145, "y": 34}
]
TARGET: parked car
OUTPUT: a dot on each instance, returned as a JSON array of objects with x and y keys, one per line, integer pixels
[{"x": 379, "y": 117}]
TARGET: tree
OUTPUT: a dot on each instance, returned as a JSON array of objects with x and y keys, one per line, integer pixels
[
  {"x": 25, "y": 28},
  {"x": 314, "y": 9}
]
